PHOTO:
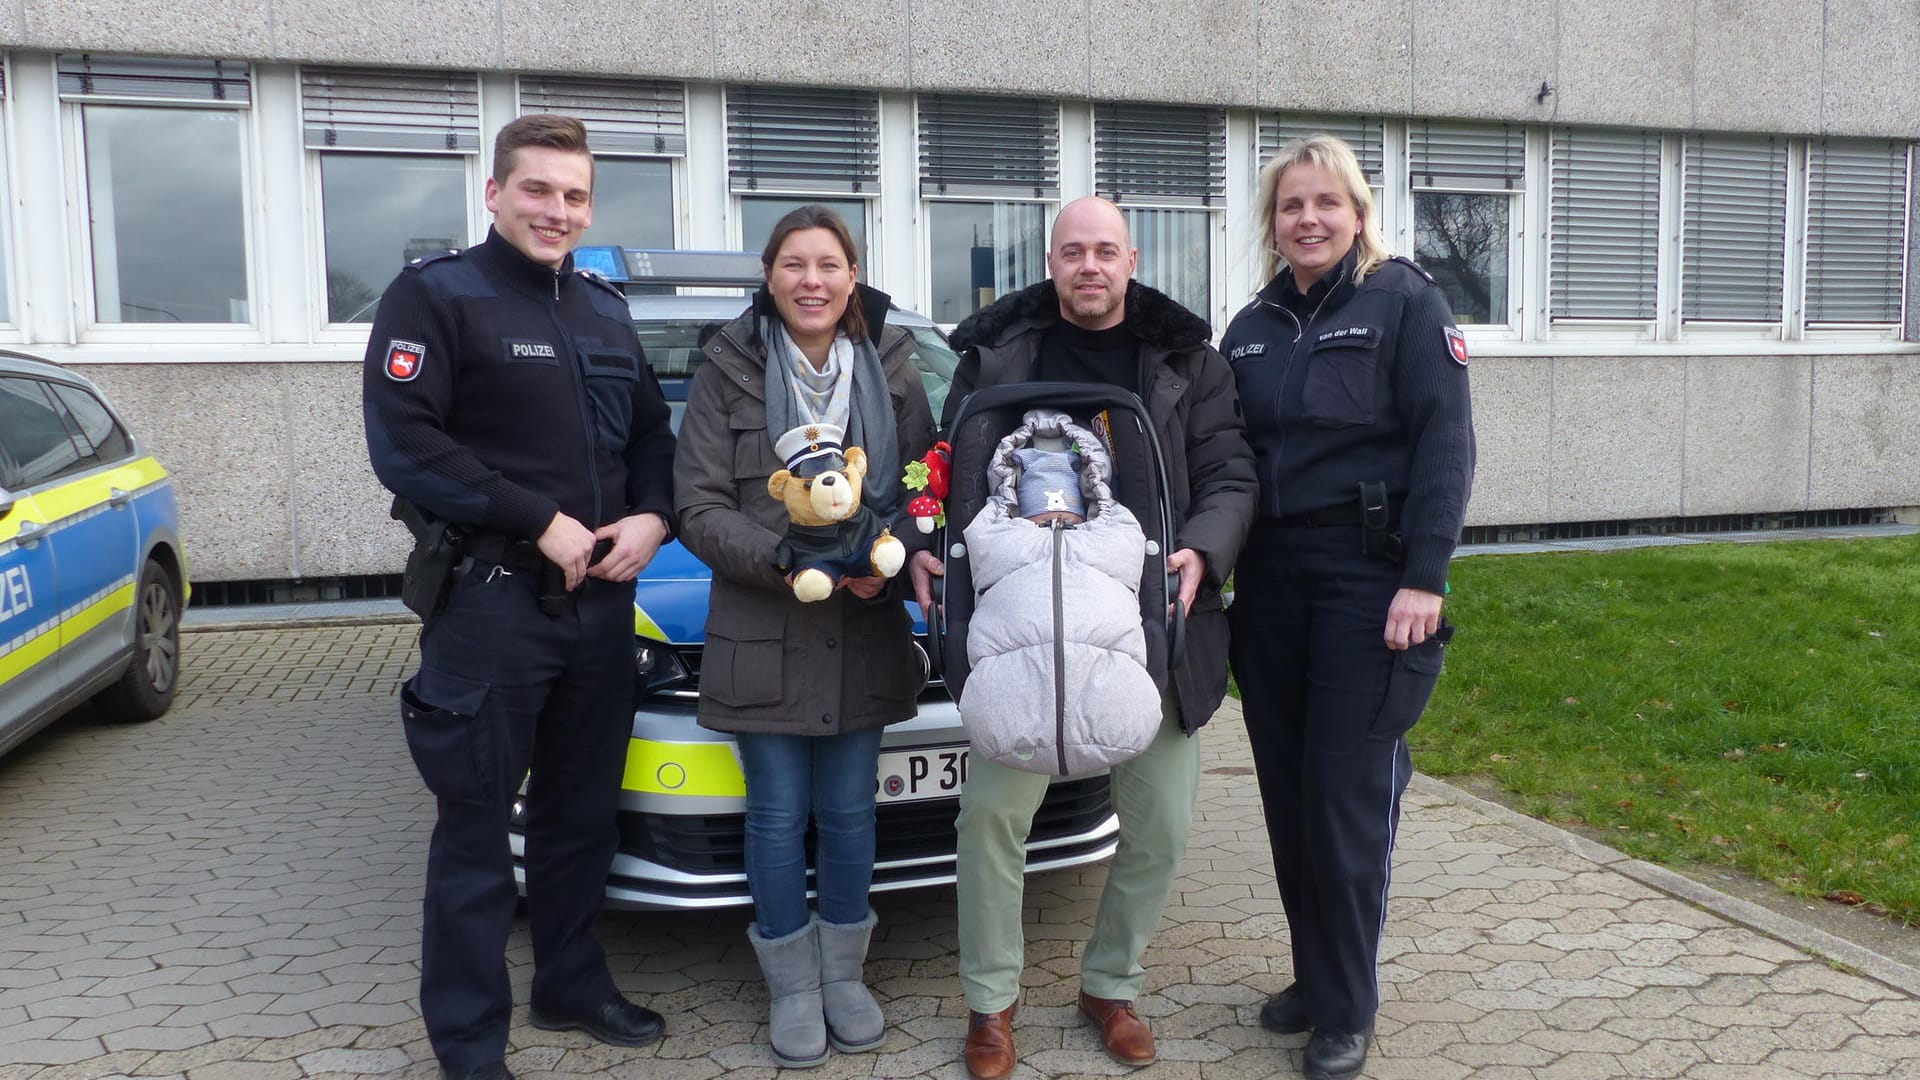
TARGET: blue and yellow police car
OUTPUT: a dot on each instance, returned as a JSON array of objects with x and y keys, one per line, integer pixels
[{"x": 92, "y": 575}]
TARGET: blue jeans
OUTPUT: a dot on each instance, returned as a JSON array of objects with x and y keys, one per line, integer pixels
[{"x": 787, "y": 776}]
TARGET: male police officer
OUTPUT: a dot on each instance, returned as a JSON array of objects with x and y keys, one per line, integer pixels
[
  {"x": 506, "y": 394},
  {"x": 1091, "y": 323}
]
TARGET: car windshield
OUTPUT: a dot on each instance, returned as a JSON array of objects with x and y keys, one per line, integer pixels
[{"x": 674, "y": 350}]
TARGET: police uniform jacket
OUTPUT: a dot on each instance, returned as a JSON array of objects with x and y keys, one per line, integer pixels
[
  {"x": 1196, "y": 416},
  {"x": 773, "y": 665},
  {"x": 1360, "y": 383},
  {"x": 498, "y": 391}
]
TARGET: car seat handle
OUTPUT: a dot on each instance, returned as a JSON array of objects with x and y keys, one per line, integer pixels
[{"x": 1177, "y": 630}]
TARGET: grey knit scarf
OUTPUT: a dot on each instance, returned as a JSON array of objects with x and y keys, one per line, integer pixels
[{"x": 870, "y": 423}]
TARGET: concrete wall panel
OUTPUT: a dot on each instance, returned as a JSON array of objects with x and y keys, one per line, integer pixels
[
  {"x": 1868, "y": 79},
  {"x": 1512, "y": 422},
  {"x": 815, "y": 42},
  {"x": 213, "y": 27},
  {"x": 339, "y": 507},
  {"x": 1035, "y": 49},
  {"x": 221, "y": 429},
  {"x": 655, "y": 38},
  {"x": 1204, "y": 52},
  {"x": 1335, "y": 55},
  {"x": 403, "y": 33},
  {"x": 1747, "y": 433},
  {"x": 1617, "y": 426},
  {"x": 1755, "y": 66},
  {"x": 1627, "y": 62},
  {"x": 1864, "y": 452},
  {"x": 1483, "y": 59}
]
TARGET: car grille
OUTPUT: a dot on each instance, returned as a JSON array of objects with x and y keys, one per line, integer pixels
[{"x": 713, "y": 844}]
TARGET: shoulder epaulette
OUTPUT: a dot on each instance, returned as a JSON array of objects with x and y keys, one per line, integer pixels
[
  {"x": 600, "y": 279},
  {"x": 427, "y": 260},
  {"x": 1415, "y": 267}
]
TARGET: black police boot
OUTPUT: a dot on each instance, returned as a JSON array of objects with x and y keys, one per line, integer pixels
[
  {"x": 617, "y": 1021},
  {"x": 486, "y": 1072},
  {"x": 1285, "y": 1013},
  {"x": 1337, "y": 1055}
]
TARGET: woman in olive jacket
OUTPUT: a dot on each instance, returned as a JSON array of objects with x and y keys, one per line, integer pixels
[{"x": 805, "y": 688}]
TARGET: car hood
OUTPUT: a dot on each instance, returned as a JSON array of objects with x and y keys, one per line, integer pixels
[{"x": 670, "y": 598}]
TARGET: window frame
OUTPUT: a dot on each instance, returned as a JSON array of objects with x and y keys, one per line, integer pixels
[
  {"x": 12, "y": 328},
  {"x": 1397, "y": 170},
  {"x": 873, "y": 256}
]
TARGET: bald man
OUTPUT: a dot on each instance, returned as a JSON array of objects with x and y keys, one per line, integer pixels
[{"x": 1092, "y": 323}]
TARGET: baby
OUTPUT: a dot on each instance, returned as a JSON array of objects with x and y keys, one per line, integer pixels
[{"x": 1049, "y": 487}]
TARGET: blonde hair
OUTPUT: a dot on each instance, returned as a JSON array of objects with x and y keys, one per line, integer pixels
[{"x": 1336, "y": 157}]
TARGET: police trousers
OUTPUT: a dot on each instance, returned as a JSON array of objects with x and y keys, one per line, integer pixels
[
  {"x": 504, "y": 689},
  {"x": 1327, "y": 706}
]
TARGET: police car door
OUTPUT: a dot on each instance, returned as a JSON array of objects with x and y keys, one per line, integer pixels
[
  {"x": 96, "y": 547},
  {"x": 29, "y": 599}
]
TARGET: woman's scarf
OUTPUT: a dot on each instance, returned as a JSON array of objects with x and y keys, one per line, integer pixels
[{"x": 854, "y": 387}]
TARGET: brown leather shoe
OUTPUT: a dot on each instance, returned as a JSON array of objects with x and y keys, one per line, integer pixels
[
  {"x": 1129, "y": 1040},
  {"x": 989, "y": 1051}
]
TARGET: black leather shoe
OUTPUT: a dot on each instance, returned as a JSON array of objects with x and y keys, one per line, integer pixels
[
  {"x": 485, "y": 1072},
  {"x": 1286, "y": 1012},
  {"x": 618, "y": 1021},
  {"x": 1337, "y": 1055}
]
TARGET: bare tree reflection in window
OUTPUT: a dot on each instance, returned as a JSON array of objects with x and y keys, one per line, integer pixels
[{"x": 1461, "y": 240}]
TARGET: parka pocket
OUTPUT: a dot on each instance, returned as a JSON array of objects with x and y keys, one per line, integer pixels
[
  {"x": 1410, "y": 682},
  {"x": 451, "y": 746},
  {"x": 742, "y": 664},
  {"x": 1340, "y": 385}
]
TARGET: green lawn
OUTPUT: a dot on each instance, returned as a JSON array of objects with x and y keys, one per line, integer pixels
[{"x": 1756, "y": 705}]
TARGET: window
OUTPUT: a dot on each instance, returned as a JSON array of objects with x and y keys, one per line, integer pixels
[
  {"x": 6, "y": 238},
  {"x": 105, "y": 441},
  {"x": 790, "y": 146},
  {"x": 1856, "y": 230},
  {"x": 1465, "y": 181},
  {"x": 1605, "y": 224},
  {"x": 636, "y": 128},
  {"x": 36, "y": 436},
  {"x": 166, "y": 205},
  {"x": 1166, "y": 167},
  {"x": 988, "y": 169},
  {"x": 393, "y": 152},
  {"x": 1363, "y": 134},
  {"x": 1734, "y": 231}
]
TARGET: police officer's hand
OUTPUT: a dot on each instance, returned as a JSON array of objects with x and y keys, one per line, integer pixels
[
  {"x": 1412, "y": 617},
  {"x": 1192, "y": 567},
  {"x": 635, "y": 540},
  {"x": 922, "y": 568},
  {"x": 568, "y": 545}
]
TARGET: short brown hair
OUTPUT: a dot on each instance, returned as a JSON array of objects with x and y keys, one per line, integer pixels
[
  {"x": 853, "y": 322},
  {"x": 538, "y": 129}
]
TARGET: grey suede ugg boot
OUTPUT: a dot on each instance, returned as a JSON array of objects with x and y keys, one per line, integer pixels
[
  {"x": 854, "y": 1020},
  {"x": 797, "y": 1026}
]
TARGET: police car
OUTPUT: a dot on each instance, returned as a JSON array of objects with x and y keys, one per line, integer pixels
[
  {"x": 684, "y": 797},
  {"x": 92, "y": 576}
]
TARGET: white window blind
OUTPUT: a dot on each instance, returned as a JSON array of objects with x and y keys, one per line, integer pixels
[
  {"x": 623, "y": 116},
  {"x": 1362, "y": 133},
  {"x": 1605, "y": 241},
  {"x": 803, "y": 140},
  {"x": 1160, "y": 155},
  {"x": 1856, "y": 229},
  {"x": 87, "y": 77},
  {"x": 989, "y": 147},
  {"x": 1733, "y": 237},
  {"x": 1466, "y": 156},
  {"x": 365, "y": 109}
]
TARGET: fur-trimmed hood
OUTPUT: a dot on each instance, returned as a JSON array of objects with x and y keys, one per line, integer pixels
[{"x": 1153, "y": 316}]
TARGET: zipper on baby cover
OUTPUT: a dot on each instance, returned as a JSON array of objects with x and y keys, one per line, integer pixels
[{"x": 1059, "y": 657}]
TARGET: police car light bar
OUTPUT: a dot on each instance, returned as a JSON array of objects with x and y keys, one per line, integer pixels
[{"x": 645, "y": 266}]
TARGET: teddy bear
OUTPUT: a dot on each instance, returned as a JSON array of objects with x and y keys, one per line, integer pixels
[{"x": 830, "y": 534}]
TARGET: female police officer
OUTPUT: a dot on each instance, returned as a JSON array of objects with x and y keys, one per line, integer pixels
[{"x": 1354, "y": 382}]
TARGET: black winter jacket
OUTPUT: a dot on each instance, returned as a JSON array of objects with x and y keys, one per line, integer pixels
[
  {"x": 497, "y": 391},
  {"x": 1354, "y": 384},
  {"x": 1191, "y": 400}
]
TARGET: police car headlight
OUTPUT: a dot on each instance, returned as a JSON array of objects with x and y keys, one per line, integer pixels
[{"x": 657, "y": 666}]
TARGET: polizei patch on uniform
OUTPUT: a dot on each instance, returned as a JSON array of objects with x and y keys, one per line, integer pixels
[
  {"x": 405, "y": 359},
  {"x": 1456, "y": 345},
  {"x": 530, "y": 350},
  {"x": 1361, "y": 333},
  {"x": 1256, "y": 349}
]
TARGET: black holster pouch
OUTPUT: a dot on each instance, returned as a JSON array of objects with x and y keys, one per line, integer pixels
[
  {"x": 1378, "y": 537},
  {"x": 554, "y": 599},
  {"x": 436, "y": 553}
]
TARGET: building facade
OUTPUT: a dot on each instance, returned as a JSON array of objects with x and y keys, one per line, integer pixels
[{"x": 1679, "y": 236}]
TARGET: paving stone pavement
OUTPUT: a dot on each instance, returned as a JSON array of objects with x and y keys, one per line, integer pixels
[{"x": 231, "y": 893}]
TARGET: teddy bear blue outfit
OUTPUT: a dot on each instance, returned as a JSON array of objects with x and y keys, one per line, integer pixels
[{"x": 1059, "y": 680}]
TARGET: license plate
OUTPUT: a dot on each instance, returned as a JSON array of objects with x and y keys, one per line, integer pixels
[{"x": 934, "y": 772}]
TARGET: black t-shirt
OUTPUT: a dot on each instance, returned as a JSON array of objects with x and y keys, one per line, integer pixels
[{"x": 1071, "y": 354}]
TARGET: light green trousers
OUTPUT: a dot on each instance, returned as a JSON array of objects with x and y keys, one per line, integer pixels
[{"x": 1152, "y": 793}]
